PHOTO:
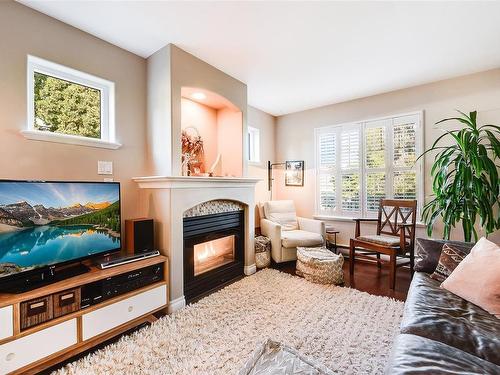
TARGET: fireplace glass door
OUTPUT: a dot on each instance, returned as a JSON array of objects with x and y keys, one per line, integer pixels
[
  {"x": 213, "y": 254},
  {"x": 214, "y": 248}
]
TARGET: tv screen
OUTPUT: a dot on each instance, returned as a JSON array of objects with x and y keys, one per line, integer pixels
[{"x": 48, "y": 223}]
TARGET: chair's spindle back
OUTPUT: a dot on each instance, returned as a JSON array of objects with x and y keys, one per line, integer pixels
[{"x": 394, "y": 212}]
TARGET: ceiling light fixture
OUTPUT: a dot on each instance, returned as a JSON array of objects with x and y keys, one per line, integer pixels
[{"x": 198, "y": 96}]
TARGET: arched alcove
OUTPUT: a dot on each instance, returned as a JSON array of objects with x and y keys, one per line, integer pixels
[{"x": 211, "y": 134}]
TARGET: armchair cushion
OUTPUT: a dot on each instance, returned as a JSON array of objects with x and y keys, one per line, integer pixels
[
  {"x": 311, "y": 225},
  {"x": 380, "y": 240},
  {"x": 283, "y": 213},
  {"x": 294, "y": 238}
]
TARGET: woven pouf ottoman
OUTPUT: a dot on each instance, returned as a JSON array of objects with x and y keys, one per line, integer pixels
[
  {"x": 262, "y": 252},
  {"x": 319, "y": 265}
]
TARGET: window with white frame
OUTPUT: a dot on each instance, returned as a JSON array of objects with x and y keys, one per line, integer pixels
[
  {"x": 360, "y": 163},
  {"x": 253, "y": 145},
  {"x": 66, "y": 105}
]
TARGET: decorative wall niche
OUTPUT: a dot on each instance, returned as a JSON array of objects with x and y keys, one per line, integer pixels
[{"x": 211, "y": 134}]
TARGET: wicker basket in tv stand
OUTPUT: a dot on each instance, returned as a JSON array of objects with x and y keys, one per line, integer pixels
[{"x": 43, "y": 345}]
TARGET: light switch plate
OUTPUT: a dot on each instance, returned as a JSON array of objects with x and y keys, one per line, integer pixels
[{"x": 104, "y": 167}]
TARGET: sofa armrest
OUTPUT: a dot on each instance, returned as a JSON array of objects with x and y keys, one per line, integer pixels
[
  {"x": 311, "y": 225},
  {"x": 272, "y": 230}
]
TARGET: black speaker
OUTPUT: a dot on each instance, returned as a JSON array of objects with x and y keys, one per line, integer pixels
[{"x": 139, "y": 235}]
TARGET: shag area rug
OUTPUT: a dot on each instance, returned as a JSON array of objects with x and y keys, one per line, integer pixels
[{"x": 349, "y": 331}]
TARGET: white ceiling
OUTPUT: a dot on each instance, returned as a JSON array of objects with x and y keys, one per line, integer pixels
[{"x": 300, "y": 55}]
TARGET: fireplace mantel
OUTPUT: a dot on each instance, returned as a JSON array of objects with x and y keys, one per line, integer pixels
[
  {"x": 166, "y": 198},
  {"x": 188, "y": 182}
]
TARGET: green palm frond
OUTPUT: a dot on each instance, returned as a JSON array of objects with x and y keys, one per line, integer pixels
[{"x": 465, "y": 178}]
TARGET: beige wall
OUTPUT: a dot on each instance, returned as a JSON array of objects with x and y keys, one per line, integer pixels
[
  {"x": 24, "y": 31},
  {"x": 267, "y": 126},
  {"x": 204, "y": 119},
  {"x": 169, "y": 70},
  {"x": 159, "y": 114},
  {"x": 295, "y": 132},
  {"x": 230, "y": 142}
]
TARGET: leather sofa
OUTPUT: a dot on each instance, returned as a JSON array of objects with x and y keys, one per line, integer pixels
[{"x": 442, "y": 333}]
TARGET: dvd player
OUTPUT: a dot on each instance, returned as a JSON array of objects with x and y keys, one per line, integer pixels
[
  {"x": 118, "y": 259},
  {"x": 105, "y": 289}
]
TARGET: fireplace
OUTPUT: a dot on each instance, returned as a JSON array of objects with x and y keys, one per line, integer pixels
[{"x": 213, "y": 252}]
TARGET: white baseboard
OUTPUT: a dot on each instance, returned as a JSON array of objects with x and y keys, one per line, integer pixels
[
  {"x": 176, "y": 304},
  {"x": 250, "y": 270}
]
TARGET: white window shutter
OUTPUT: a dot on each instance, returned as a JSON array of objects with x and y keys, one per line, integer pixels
[
  {"x": 327, "y": 150},
  {"x": 404, "y": 142},
  {"x": 327, "y": 146},
  {"x": 350, "y": 168},
  {"x": 375, "y": 190},
  {"x": 327, "y": 199},
  {"x": 358, "y": 164},
  {"x": 405, "y": 183},
  {"x": 349, "y": 148},
  {"x": 350, "y": 192},
  {"x": 375, "y": 147}
]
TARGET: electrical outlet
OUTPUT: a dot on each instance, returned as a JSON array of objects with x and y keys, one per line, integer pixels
[{"x": 104, "y": 167}]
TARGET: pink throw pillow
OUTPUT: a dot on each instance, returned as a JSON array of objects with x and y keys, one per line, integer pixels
[{"x": 477, "y": 277}]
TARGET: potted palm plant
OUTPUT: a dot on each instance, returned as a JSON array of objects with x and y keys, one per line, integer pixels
[{"x": 465, "y": 178}]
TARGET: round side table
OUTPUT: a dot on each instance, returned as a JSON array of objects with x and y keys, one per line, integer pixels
[{"x": 331, "y": 239}]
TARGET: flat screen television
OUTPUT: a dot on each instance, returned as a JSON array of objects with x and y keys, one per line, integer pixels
[{"x": 44, "y": 225}]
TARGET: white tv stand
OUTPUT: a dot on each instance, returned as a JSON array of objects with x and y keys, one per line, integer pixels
[{"x": 43, "y": 345}]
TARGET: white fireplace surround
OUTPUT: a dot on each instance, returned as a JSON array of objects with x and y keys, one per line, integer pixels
[{"x": 166, "y": 198}]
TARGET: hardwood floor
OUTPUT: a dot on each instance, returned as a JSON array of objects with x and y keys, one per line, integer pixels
[{"x": 367, "y": 278}]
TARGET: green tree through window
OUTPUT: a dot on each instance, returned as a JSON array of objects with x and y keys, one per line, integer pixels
[{"x": 66, "y": 107}]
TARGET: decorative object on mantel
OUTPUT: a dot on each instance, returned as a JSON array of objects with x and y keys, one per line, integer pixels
[
  {"x": 262, "y": 252},
  {"x": 193, "y": 154},
  {"x": 216, "y": 168},
  {"x": 294, "y": 173},
  {"x": 465, "y": 178}
]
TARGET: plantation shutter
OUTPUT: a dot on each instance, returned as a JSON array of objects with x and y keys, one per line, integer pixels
[
  {"x": 358, "y": 164},
  {"x": 350, "y": 168},
  {"x": 404, "y": 155},
  {"x": 327, "y": 160},
  {"x": 375, "y": 163}
]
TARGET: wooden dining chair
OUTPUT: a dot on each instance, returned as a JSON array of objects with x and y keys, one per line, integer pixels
[{"x": 395, "y": 237}]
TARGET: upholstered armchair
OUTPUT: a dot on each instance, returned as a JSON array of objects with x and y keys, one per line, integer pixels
[{"x": 279, "y": 222}]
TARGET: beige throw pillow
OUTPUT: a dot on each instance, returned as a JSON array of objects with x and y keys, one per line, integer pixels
[{"x": 477, "y": 277}]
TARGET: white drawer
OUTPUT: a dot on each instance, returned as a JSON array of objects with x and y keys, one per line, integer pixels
[
  {"x": 109, "y": 317},
  {"x": 21, "y": 352},
  {"x": 6, "y": 322}
]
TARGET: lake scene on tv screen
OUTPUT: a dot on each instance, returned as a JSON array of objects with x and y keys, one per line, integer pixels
[{"x": 43, "y": 223}]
